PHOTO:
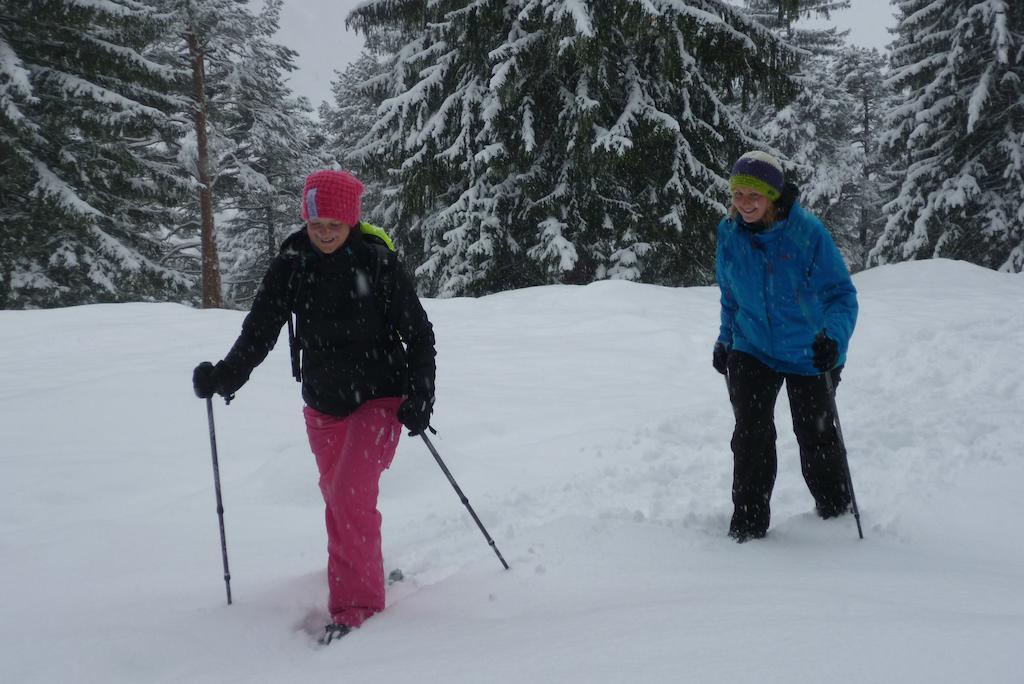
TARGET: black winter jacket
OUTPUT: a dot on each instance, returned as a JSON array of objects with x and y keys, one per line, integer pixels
[{"x": 351, "y": 353}]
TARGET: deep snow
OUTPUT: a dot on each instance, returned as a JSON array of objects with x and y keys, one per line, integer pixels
[{"x": 590, "y": 433}]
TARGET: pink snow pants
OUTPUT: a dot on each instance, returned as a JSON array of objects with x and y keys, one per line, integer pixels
[{"x": 351, "y": 453}]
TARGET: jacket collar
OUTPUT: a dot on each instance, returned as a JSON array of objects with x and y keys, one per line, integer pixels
[{"x": 299, "y": 245}]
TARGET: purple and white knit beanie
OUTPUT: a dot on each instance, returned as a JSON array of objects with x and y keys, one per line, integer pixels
[{"x": 758, "y": 171}]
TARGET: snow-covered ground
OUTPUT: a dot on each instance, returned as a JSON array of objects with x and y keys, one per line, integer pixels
[{"x": 590, "y": 433}]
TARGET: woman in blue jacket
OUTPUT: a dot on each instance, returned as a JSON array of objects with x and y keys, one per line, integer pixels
[{"x": 788, "y": 311}]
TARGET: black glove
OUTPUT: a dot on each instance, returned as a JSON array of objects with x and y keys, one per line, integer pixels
[
  {"x": 208, "y": 379},
  {"x": 826, "y": 352},
  {"x": 204, "y": 380},
  {"x": 414, "y": 413},
  {"x": 720, "y": 357}
]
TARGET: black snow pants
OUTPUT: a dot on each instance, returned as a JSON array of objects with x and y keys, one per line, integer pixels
[{"x": 753, "y": 390}]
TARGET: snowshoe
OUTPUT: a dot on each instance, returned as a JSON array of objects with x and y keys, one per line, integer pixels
[{"x": 332, "y": 632}]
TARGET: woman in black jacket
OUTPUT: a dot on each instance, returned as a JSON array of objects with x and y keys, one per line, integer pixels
[{"x": 367, "y": 367}]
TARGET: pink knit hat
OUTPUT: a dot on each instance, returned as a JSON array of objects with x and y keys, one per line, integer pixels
[{"x": 332, "y": 195}]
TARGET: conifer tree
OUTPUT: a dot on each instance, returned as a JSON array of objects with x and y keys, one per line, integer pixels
[
  {"x": 261, "y": 170},
  {"x": 349, "y": 119},
  {"x": 247, "y": 128},
  {"x": 545, "y": 141},
  {"x": 862, "y": 74},
  {"x": 84, "y": 127},
  {"x": 202, "y": 41},
  {"x": 783, "y": 16},
  {"x": 817, "y": 132},
  {"x": 958, "y": 134},
  {"x": 353, "y": 110}
]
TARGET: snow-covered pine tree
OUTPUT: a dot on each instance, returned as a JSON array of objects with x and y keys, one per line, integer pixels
[
  {"x": 783, "y": 16},
  {"x": 259, "y": 175},
  {"x": 202, "y": 41},
  {"x": 958, "y": 133},
  {"x": 84, "y": 122},
  {"x": 817, "y": 134},
  {"x": 236, "y": 72},
  {"x": 346, "y": 121},
  {"x": 814, "y": 133},
  {"x": 353, "y": 110},
  {"x": 545, "y": 141},
  {"x": 862, "y": 74},
  {"x": 264, "y": 209}
]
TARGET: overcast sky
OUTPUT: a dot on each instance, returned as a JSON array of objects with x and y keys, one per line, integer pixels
[{"x": 316, "y": 29}]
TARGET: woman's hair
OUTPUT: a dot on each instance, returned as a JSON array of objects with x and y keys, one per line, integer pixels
[{"x": 770, "y": 214}]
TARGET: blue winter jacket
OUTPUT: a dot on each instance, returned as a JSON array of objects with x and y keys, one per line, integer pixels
[{"x": 781, "y": 287}]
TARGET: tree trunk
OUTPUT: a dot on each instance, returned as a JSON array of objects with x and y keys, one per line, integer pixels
[
  {"x": 867, "y": 179},
  {"x": 271, "y": 241},
  {"x": 210, "y": 263},
  {"x": 5, "y": 283}
]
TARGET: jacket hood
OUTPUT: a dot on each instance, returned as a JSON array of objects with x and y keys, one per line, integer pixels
[{"x": 790, "y": 194}]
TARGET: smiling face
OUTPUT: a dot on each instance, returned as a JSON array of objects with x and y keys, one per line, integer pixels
[
  {"x": 750, "y": 204},
  {"x": 327, "y": 234}
]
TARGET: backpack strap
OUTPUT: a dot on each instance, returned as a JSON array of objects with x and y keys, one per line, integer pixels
[
  {"x": 383, "y": 281},
  {"x": 383, "y": 271},
  {"x": 377, "y": 232},
  {"x": 295, "y": 281}
]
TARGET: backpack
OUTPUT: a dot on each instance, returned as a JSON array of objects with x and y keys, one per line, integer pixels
[{"x": 383, "y": 247}]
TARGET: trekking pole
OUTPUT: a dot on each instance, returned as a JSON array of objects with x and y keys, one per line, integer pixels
[
  {"x": 220, "y": 504},
  {"x": 842, "y": 445},
  {"x": 728, "y": 391},
  {"x": 462, "y": 497}
]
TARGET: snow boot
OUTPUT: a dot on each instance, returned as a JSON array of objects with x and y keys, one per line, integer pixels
[
  {"x": 741, "y": 535},
  {"x": 749, "y": 522},
  {"x": 333, "y": 632},
  {"x": 830, "y": 509}
]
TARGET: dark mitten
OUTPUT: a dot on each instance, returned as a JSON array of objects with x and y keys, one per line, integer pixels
[
  {"x": 204, "y": 380},
  {"x": 208, "y": 379},
  {"x": 720, "y": 357},
  {"x": 229, "y": 380},
  {"x": 414, "y": 413},
  {"x": 826, "y": 352}
]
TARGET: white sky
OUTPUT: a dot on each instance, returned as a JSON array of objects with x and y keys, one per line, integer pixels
[
  {"x": 316, "y": 29},
  {"x": 867, "y": 21}
]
